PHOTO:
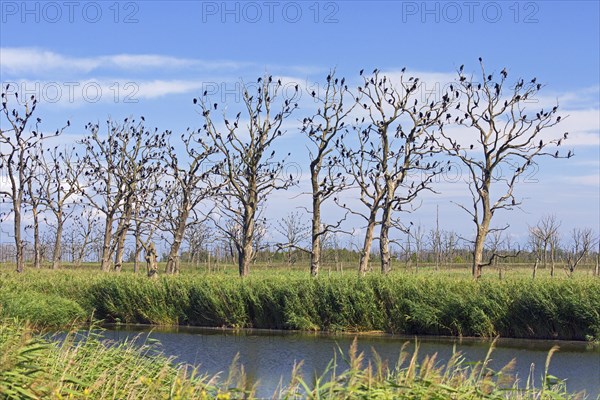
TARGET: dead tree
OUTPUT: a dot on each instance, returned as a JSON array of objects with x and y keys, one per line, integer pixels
[
  {"x": 435, "y": 240},
  {"x": 323, "y": 130},
  {"x": 547, "y": 228},
  {"x": 33, "y": 200},
  {"x": 190, "y": 183},
  {"x": 198, "y": 236},
  {"x": 85, "y": 225},
  {"x": 500, "y": 142},
  {"x": 295, "y": 232},
  {"x": 418, "y": 234},
  {"x": 19, "y": 144},
  {"x": 582, "y": 240},
  {"x": 392, "y": 164},
  {"x": 116, "y": 166},
  {"x": 59, "y": 184},
  {"x": 250, "y": 171},
  {"x": 536, "y": 244}
]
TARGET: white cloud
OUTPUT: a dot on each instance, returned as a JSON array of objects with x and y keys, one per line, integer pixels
[
  {"x": 587, "y": 180},
  {"x": 92, "y": 91},
  {"x": 32, "y": 60}
]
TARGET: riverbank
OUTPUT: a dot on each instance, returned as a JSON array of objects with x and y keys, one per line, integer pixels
[
  {"x": 85, "y": 367},
  {"x": 565, "y": 309}
]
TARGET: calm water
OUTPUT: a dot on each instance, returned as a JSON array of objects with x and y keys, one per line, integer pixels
[{"x": 269, "y": 356}]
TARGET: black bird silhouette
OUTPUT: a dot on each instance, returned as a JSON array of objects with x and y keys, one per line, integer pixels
[{"x": 360, "y": 73}]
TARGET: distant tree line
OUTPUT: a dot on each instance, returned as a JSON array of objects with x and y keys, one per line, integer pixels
[{"x": 373, "y": 150}]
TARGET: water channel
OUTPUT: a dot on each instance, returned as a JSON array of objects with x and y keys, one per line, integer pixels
[{"x": 269, "y": 356}]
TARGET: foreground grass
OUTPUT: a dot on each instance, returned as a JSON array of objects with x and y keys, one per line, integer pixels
[
  {"x": 399, "y": 303},
  {"x": 84, "y": 367}
]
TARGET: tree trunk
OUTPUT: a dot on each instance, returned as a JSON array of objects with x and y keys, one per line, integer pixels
[
  {"x": 122, "y": 230},
  {"x": 482, "y": 230},
  {"x": 315, "y": 254},
  {"x": 245, "y": 249},
  {"x": 384, "y": 240},
  {"x": 37, "y": 250},
  {"x": 478, "y": 251},
  {"x": 366, "y": 251},
  {"x": 535, "y": 265},
  {"x": 173, "y": 257},
  {"x": 138, "y": 251},
  {"x": 20, "y": 259},
  {"x": 56, "y": 254},
  {"x": 245, "y": 258},
  {"x": 105, "y": 262}
]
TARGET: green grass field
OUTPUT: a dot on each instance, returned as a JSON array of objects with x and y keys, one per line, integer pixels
[{"x": 445, "y": 302}]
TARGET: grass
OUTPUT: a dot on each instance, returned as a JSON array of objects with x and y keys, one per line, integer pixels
[
  {"x": 85, "y": 367},
  {"x": 427, "y": 303}
]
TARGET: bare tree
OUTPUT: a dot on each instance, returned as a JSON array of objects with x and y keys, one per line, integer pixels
[
  {"x": 435, "y": 240},
  {"x": 505, "y": 141},
  {"x": 450, "y": 243},
  {"x": 582, "y": 240},
  {"x": 19, "y": 145},
  {"x": 418, "y": 234},
  {"x": 115, "y": 168},
  {"x": 189, "y": 185},
  {"x": 250, "y": 171},
  {"x": 295, "y": 232},
  {"x": 197, "y": 236},
  {"x": 33, "y": 200},
  {"x": 547, "y": 228},
  {"x": 323, "y": 130},
  {"x": 59, "y": 184},
  {"x": 536, "y": 244},
  {"x": 85, "y": 226},
  {"x": 389, "y": 166}
]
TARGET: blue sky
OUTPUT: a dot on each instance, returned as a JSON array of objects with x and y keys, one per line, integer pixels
[{"x": 152, "y": 57}]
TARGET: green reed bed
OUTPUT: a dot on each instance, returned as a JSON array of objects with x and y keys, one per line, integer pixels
[
  {"x": 399, "y": 303},
  {"x": 86, "y": 367}
]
